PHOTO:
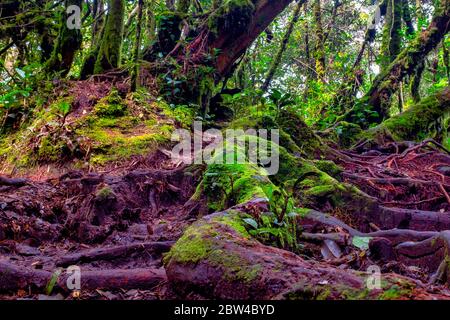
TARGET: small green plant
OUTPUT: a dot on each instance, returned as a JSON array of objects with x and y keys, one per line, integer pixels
[
  {"x": 279, "y": 225},
  {"x": 268, "y": 229},
  {"x": 237, "y": 103},
  {"x": 226, "y": 187},
  {"x": 281, "y": 100}
]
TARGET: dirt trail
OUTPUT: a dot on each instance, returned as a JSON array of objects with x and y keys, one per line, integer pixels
[{"x": 117, "y": 225}]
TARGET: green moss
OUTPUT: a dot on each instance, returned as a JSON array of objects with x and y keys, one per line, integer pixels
[
  {"x": 116, "y": 129},
  {"x": 391, "y": 288},
  {"x": 226, "y": 185},
  {"x": 308, "y": 292},
  {"x": 231, "y": 16},
  {"x": 295, "y": 136},
  {"x": 199, "y": 244},
  {"x": 347, "y": 133},
  {"x": 193, "y": 246},
  {"x": 232, "y": 222},
  {"x": 51, "y": 151},
  {"x": 111, "y": 106},
  {"x": 329, "y": 167},
  {"x": 233, "y": 266},
  {"x": 104, "y": 194},
  {"x": 182, "y": 114},
  {"x": 305, "y": 139},
  {"x": 116, "y": 135},
  {"x": 416, "y": 123},
  {"x": 314, "y": 188},
  {"x": 111, "y": 43},
  {"x": 395, "y": 292}
]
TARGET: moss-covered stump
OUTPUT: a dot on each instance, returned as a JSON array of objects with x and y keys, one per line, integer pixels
[{"x": 217, "y": 258}]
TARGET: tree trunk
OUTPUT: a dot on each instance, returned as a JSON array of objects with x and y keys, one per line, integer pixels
[
  {"x": 407, "y": 62},
  {"x": 415, "y": 82},
  {"x": 218, "y": 44},
  {"x": 97, "y": 14},
  {"x": 111, "y": 43},
  {"x": 67, "y": 44},
  {"x": 231, "y": 46},
  {"x": 277, "y": 60},
  {"x": 137, "y": 47},
  {"x": 391, "y": 34},
  {"x": 319, "y": 53},
  {"x": 407, "y": 18}
]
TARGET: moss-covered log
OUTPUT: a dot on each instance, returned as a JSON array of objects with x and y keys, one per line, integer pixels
[{"x": 423, "y": 120}]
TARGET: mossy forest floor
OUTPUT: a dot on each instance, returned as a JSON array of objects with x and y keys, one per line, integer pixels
[{"x": 88, "y": 181}]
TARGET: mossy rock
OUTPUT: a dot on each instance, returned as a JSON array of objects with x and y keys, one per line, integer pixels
[{"x": 218, "y": 259}]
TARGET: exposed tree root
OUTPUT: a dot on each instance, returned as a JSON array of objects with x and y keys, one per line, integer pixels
[
  {"x": 4, "y": 181},
  {"x": 263, "y": 272},
  {"x": 402, "y": 212},
  {"x": 114, "y": 252},
  {"x": 13, "y": 278}
]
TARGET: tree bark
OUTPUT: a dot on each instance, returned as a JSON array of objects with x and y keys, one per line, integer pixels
[
  {"x": 415, "y": 82},
  {"x": 407, "y": 19},
  {"x": 391, "y": 34},
  {"x": 319, "y": 53},
  {"x": 231, "y": 47},
  {"x": 137, "y": 47},
  {"x": 111, "y": 43},
  {"x": 284, "y": 43},
  {"x": 406, "y": 63},
  {"x": 67, "y": 44}
]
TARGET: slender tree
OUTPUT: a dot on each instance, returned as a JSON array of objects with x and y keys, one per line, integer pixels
[
  {"x": 137, "y": 47},
  {"x": 407, "y": 62},
  {"x": 111, "y": 43},
  {"x": 319, "y": 52},
  {"x": 277, "y": 60},
  {"x": 392, "y": 32},
  {"x": 68, "y": 42}
]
